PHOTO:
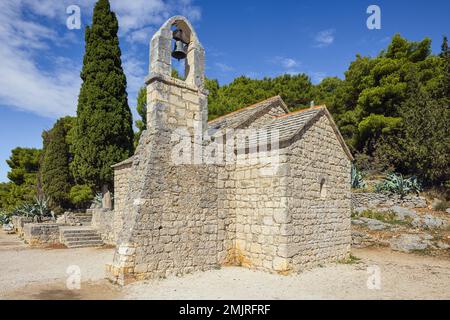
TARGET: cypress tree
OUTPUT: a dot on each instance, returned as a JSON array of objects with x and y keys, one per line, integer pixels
[
  {"x": 103, "y": 135},
  {"x": 54, "y": 170}
]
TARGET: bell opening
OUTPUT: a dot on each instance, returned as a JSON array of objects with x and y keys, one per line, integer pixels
[{"x": 179, "y": 54}]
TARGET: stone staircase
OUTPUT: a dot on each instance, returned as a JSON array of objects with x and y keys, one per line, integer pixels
[{"x": 80, "y": 237}]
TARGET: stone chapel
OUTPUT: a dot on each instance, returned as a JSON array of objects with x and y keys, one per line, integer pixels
[{"x": 174, "y": 217}]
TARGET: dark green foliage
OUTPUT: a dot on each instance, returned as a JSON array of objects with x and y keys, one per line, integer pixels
[
  {"x": 366, "y": 105},
  {"x": 423, "y": 146},
  {"x": 81, "y": 195},
  {"x": 394, "y": 109},
  {"x": 296, "y": 91},
  {"x": 103, "y": 133},
  {"x": 55, "y": 175},
  {"x": 23, "y": 176},
  {"x": 24, "y": 164},
  {"x": 141, "y": 108}
]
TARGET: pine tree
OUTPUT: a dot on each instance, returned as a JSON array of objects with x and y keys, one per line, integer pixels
[
  {"x": 103, "y": 135},
  {"x": 141, "y": 108},
  {"x": 54, "y": 170}
]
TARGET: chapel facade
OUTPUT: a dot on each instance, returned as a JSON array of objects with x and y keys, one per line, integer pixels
[{"x": 260, "y": 187}]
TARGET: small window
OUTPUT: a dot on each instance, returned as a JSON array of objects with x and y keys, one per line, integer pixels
[{"x": 323, "y": 188}]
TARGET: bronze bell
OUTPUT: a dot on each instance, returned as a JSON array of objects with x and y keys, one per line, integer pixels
[{"x": 179, "y": 51}]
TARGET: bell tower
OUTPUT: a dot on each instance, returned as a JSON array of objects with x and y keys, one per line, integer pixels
[
  {"x": 174, "y": 103},
  {"x": 168, "y": 210}
]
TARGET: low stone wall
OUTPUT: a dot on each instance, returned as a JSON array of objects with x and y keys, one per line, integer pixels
[
  {"x": 103, "y": 222},
  {"x": 19, "y": 223},
  {"x": 375, "y": 200},
  {"x": 37, "y": 234}
]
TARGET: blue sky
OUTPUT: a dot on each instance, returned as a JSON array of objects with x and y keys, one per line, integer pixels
[{"x": 40, "y": 58}]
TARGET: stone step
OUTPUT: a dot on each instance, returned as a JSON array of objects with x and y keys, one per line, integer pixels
[
  {"x": 84, "y": 243},
  {"x": 81, "y": 238},
  {"x": 69, "y": 239},
  {"x": 68, "y": 234},
  {"x": 81, "y": 229}
]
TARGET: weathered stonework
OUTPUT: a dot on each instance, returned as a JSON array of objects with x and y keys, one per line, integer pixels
[
  {"x": 103, "y": 221},
  {"x": 38, "y": 234},
  {"x": 19, "y": 223},
  {"x": 375, "y": 200},
  {"x": 173, "y": 218}
]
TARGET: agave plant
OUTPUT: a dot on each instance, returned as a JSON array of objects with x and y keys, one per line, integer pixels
[
  {"x": 357, "y": 179},
  {"x": 25, "y": 209},
  {"x": 5, "y": 217},
  {"x": 98, "y": 200},
  {"x": 396, "y": 183},
  {"x": 40, "y": 207}
]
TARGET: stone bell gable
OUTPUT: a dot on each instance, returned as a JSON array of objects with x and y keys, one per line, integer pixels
[{"x": 281, "y": 204}]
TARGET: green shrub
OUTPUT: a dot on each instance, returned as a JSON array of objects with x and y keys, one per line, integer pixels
[
  {"x": 81, "y": 195},
  {"x": 397, "y": 184}
]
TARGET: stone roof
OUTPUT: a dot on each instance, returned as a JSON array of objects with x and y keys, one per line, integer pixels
[
  {"x": 235, "y": 119},
  {"x": 288, "y": 126},
  {"x": 123, "y": 163}
]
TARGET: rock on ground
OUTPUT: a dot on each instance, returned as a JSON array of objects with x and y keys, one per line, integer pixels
[{"x": 410, "y": 242}]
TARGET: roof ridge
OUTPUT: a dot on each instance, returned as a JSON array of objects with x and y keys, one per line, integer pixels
[
  {"x": 300, "y": 111},
  {"x": 277, "y": 97}
]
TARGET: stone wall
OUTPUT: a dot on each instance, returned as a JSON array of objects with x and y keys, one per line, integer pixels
[
  {"x": 361, "y": 200},
  {"x": 38, "y": 234},
  {"x": 255, "y": 217},
  {"x": 121, "y": 189},
  {"x": 19, "y": 222},
  {"x": 318, "y": 199},
  {"x": 103, "y": 222}
]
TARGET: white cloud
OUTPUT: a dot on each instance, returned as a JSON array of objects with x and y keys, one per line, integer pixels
[
  {"x": 141, "y": 36},
  {"x": 286, "y": 63},
  {"x": 137, "y": 15},
  {"x": 28, "y": 36},
  {"x": 23, "y": 84},
  {"x": 324, "y": 38},
  {"x": 136, "y": 71}
]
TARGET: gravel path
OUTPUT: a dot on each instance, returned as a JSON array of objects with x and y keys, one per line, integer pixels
[
  {"x": 41, "y": 274},
  {"x": 23, "y": 266}
]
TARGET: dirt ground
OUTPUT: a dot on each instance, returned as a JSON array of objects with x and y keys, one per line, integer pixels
[{"x": 41, "y": 274}]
